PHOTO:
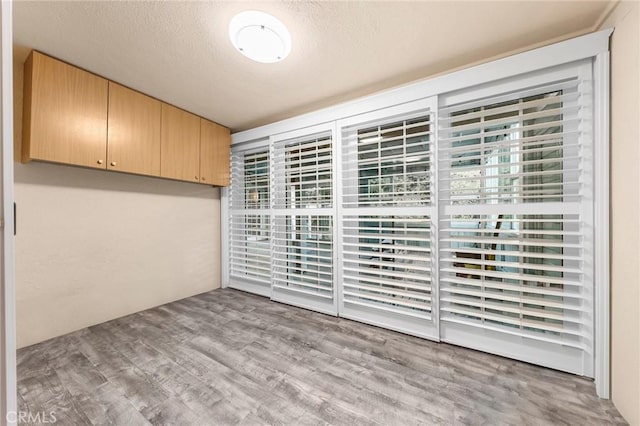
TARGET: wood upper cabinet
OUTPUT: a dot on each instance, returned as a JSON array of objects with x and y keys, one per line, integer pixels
[
  {"x": 74, "y": 117},
  {"x": 65, "y": 113},
  {"x": 215, "y": 144},
  {"x": 133, "y": 143},
  {"x": 180, "y": 144}
]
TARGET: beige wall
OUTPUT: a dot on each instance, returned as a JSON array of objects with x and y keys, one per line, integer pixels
[
  {"x": 95, "y": 245},
  {"x": 625, "y": 210}
]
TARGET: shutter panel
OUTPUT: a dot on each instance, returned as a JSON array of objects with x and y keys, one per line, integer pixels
[
  {"x": 302, "y": 268},
  {"x": 524, "y": 276},
  {"x": 514, "y": 186},
  {"x": 250, "y": 180},
  {"x": 387, "y": 263},
  {"x": 303, "y": 176},
  {"x": 250, "y": 221},
  {"x": 387, "y": 208},
  {"x": 250, "y": 248},
  {"x": 304, "y": 254},
  {"x": 388, "y": 164}
]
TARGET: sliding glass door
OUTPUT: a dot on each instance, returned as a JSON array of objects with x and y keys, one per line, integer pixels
[{"x": 466, "y": 217}]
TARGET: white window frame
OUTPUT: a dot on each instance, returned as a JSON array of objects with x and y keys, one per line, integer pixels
[{"x": 594, "y": 46}]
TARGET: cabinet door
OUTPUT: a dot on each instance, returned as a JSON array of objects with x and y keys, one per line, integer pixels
[
  {"x": 65, "y": 118},
  {"x": 180, "y": 146},
  {"x": 215, "y": 142},
  {"x": 134, "y": 132}
]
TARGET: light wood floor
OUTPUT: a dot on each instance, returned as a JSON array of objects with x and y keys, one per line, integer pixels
[{"x": 227, "y": 357}]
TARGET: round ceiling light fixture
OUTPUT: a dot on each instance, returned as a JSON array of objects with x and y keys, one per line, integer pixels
[{"x": 260, "y": 36}]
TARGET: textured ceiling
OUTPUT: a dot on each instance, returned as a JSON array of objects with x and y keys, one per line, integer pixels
[{"x": 180, "y": 52}]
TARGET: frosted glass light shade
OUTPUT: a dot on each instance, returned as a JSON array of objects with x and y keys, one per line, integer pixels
[{"x": 260, "y": 36}]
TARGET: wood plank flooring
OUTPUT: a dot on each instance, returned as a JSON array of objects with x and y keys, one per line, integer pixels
[{"x": 232, "y": 358}]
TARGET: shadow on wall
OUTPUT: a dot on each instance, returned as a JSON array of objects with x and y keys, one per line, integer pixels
[{"x": 47, "y": 174}]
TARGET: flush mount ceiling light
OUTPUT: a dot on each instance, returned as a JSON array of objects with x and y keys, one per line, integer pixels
[{"x": 260, "y": 36}]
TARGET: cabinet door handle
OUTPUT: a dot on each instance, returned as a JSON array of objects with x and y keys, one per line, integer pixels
[
  {"x": 202, "y": 179},
  {"x": 100, "y": 161},
  {"x": 113, "y": 163}
]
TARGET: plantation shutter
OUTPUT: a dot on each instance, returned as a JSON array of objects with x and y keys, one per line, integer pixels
[
  {"x": 302, "y": 268},
  {"x": 249, "y": 220},
  {"x": 386, "y": 219},
  {"x": 516, "y": 199}
]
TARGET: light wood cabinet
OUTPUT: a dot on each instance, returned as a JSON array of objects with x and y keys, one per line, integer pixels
[
  {"x": 180, "y": 144},
  {"x": 74, "y": 117},
  {"x": 65, "y": 113},
  {"x": 133, "y": 142},
  {"x": 215, "y": 144}
]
